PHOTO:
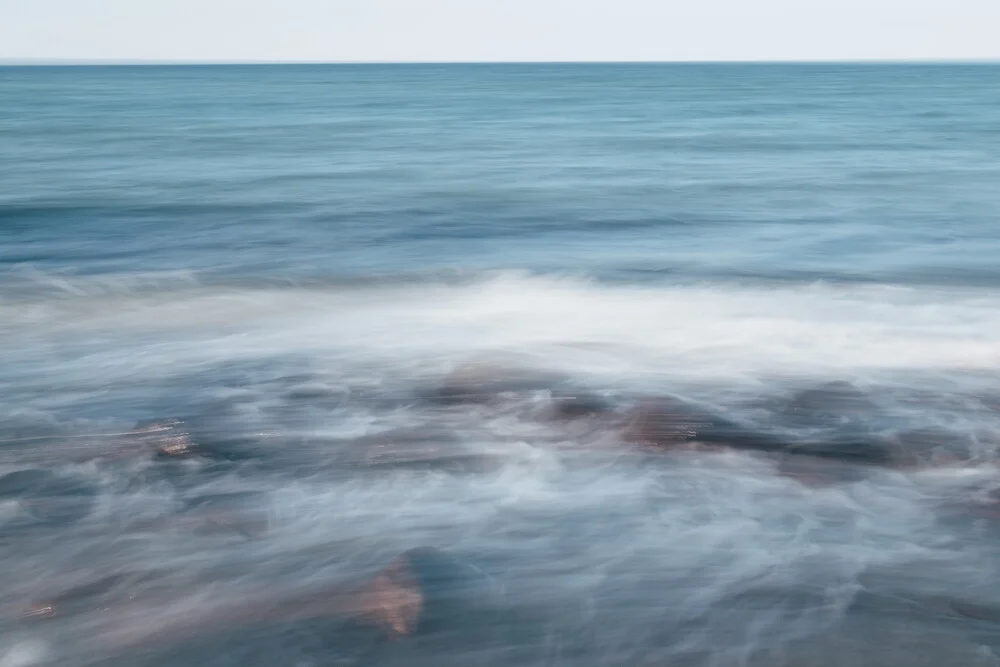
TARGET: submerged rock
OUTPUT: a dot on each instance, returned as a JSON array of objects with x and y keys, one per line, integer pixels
[
  {"x": 862, "y": 450},
  {"x": 933, "y": 446},
  {"x": 167, "y": 438},
  {"x": 668, "y": 421},
  {"x": 315, "y": 391},
  {"x": 422, "y": 448},
  {"x": 820, "y": 472},
  {"x": 421, "y": 590},
  {"x": 484, "y": 382},
  {"x": 244, "y": 514},
  {"x": 829, "y": 404},
  {"x": 87, "y": 596},
  {"x": 394, "y": 601},
  {"x": 576, "y": 405}
]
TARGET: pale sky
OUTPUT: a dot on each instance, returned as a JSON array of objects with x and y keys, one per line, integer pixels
[{"x": 498, "y": 30}]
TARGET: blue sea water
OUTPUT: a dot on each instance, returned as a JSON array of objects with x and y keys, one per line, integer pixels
[
  {"x": 288, "y": 257},
  {"x": 873, "y": 172}
]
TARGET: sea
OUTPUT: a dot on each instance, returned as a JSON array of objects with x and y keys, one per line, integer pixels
[{"x": 267, "y": 330}]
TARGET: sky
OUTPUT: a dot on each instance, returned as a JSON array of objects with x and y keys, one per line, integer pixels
[{"x": 498, "y": 30}]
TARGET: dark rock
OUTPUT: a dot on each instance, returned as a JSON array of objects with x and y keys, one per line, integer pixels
[
  {"x": 238, "y": 500},
  {"x": 168, "y": 439},
  {"x": 245, "y": 514},
  {"x": 903, "y": 636},
  {"x": 668, "y": 421},
  {"x": 436, "y": 460},
  {"x": 933, "y": 446},
  {"x": 569, "y": 406},
  {"x": 869, "y": 451},
  {"x": 309, "y": 392},
  {"x": 829, "y": 404},
  {"x": 249, "y": 526},
  {"x": 974, "y": 610},
  {"x": 422, "y": 590},
  {"x": 416, "y": 436},
  {"x": 665, "y": 422},
  {"x": 483, "y": 382},
  {"x": 87, "y": 596},
  {"x": 422, "y": 448},
  {"x": 820, "y": 472}
]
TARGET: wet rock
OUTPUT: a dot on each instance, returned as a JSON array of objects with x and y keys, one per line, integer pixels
[
  {"x": 167, "y": 438},
  {"x": 881, "y": 640},
  {"x": 421, "y": 590},
  {"x": 975, "y": 610},
  {"x": 484, "y": 382},
  {"x": 820, "y": 472},
  {"x": 394, "y": 601},
  {"x": 86, "y": 597},
  {"x": 415, "y": 436},
  {"x": 665, "y": 422},
  {"x": 829, "y": 404},
  {"x": 933, "y": 446},
  {"x": 868, "y": 451},
  {"x": 244, "y": 514},
  {"x": 438, "y": 460},
  {"x": 578, "y": 405},
  {"x": 668, "y": 421},
  {"x": 314, "y": 392},
  {"x": 423, "y": 448}
]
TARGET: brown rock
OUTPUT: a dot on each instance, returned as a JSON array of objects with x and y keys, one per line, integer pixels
[
  {"x": 664, "y": 422},
  {"x": 168, "y": 438},
  {"x": 668, "y": 421},
  {"x": 422, "y": 448},
  {"x": 932, "y": 446},
  {"x": 421, "y": 589},
  {"x": 862, "y": 450},
  {"x": 482, "y": 382},
  {"x": 819, "y": 472},
  {"x": 394, "y": 601},
  {"x": 89, "y": 596}
]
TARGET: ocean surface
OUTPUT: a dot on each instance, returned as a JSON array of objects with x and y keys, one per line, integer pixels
[{"x": 405, "y": 307}]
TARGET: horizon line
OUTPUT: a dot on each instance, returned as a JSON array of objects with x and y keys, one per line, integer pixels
[{"x": 139, "y": 62}]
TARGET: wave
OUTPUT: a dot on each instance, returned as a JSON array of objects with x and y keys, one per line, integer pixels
[{"x": 696, "y": 326}]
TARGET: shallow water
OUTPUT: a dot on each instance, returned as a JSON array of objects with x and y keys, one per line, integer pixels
[{"x": 295, "y": 261}]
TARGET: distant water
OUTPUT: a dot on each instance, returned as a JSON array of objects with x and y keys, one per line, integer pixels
[{"x": 291, "y": 259}]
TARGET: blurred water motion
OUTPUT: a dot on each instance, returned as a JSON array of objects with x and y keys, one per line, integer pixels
[{"x": 505, "y": 365}]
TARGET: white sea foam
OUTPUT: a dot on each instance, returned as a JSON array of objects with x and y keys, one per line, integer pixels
[{"x": 701, "y": 330}]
